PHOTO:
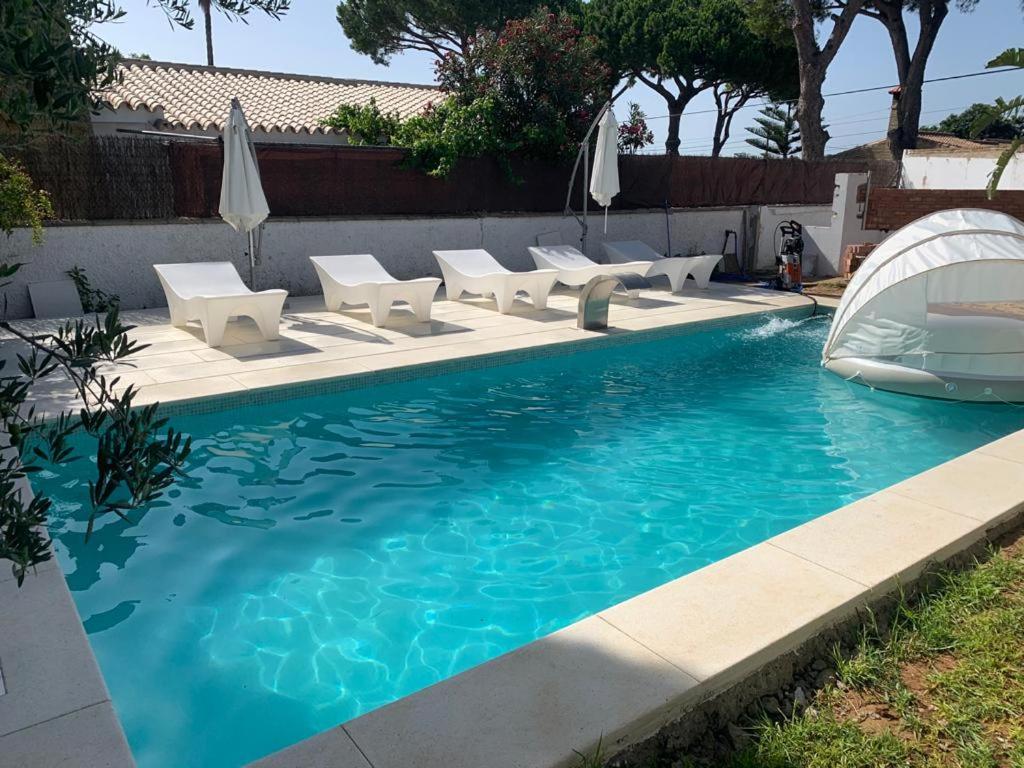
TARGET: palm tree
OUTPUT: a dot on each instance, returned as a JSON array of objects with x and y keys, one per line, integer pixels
[
  {"x": 178, "y": 12},
  {"x": 1012, "y": 110},
  {"x": 237, "y": 9}
]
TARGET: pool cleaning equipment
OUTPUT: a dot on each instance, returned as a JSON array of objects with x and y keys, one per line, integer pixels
[
  {"x": 937, "y": 309},
  {"x": 789, "y": 258}
]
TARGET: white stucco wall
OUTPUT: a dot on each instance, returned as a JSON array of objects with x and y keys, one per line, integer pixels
[
  {"x": 949, "y": 171},
  {"x": 772, "y": 215},
  {"x": 824, "y": 244},
  {"x": 118, "y": 258}
]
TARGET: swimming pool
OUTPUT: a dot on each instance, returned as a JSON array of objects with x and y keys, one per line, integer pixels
[{"x": 330, "y": 554}]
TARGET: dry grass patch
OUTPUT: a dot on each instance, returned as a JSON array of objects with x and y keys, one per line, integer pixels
[{"x": 832, "y": 286}]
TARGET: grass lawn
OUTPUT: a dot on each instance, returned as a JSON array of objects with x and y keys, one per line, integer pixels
[{"x": 944, "y": 687}]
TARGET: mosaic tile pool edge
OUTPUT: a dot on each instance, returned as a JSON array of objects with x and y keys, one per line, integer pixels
[{"x": 348, "y": 382}]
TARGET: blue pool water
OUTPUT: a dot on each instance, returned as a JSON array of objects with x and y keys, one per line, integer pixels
[{"x": 328, "y": 555}]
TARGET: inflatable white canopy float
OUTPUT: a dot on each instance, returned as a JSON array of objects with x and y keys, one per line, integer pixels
[{"x": 937, "y": 309}]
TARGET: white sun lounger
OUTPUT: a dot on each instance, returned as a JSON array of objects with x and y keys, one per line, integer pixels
[
  {"x": 476, "y": 271},
  {"x": 675, "y": 269},
  {"x": 575, "y": 269},
  {"x": 360, "y": 279},
  {"x": 213, "y": 293}
]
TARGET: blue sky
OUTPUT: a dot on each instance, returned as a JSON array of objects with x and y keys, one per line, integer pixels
[{"x": 309, "y": 41}]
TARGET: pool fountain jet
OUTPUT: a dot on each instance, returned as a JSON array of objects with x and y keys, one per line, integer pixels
[{"x": 592, "y": 313}]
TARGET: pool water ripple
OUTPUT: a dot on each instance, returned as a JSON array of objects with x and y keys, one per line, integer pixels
[{"x": 328, "y": 555}]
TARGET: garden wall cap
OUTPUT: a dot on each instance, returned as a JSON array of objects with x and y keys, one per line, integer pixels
[{"x": 193, "y": 97}]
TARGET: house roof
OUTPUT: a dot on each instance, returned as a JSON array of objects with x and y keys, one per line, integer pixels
[
  {"x": 926, "y": 141},
  {"x": 197, "y": 97}
]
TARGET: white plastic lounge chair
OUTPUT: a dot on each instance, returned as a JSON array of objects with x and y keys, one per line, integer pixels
[
  {"x": 360, "y": 279},
  {"x": 575, "y": 269},
  {"x": 476, "y": 271},
  {"x": 675, "y": 269},
  {"x": 212, "y": 293}
]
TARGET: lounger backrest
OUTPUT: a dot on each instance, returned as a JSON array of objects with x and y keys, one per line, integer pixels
[
  {"x": 630, "y": 250},
  {"x": 562, "y": 256},
  {"x": 353, "y": 269},
  {"x": 473, "y": 263},
  {"x": 204, "y": 278}
]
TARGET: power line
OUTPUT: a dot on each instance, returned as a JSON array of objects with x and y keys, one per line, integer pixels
[
  {"x": 845, "y": 93},
  {"x": 697, "y": 145}
]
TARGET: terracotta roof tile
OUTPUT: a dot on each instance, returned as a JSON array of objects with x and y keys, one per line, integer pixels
[{"x": 193, "y": 96}]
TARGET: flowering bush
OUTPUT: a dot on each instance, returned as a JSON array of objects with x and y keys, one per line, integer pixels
[
  {"x": 528, "y": 90},
  {"x": 634, "y": 134}
]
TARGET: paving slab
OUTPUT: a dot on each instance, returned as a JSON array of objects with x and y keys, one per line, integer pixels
[
  {"x": 882, "y": 540},
  {"x": 87, "y": 738},
  {"x": 48, "y": 666},
  {"x": 724, "y": 621},
  {"x": 1010, "y": 448},
  {"x": 979, "y": 485},
  {"x": 528, "y": 708},
  {"x": 332, "y": 748}
]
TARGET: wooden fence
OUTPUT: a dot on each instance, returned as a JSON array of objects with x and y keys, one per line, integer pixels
[{"x": 102, "y": 178}]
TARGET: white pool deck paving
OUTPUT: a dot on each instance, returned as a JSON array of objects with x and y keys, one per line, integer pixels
[
  {"x": 617, "y": 676},
  {"x": 316, "y": 344}
]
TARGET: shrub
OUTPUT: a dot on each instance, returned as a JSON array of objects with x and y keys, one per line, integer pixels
[
  {"x": 364, "y": 124},
  {"x": 21, "y": 204},
  {"x": 528, "y": 91}
]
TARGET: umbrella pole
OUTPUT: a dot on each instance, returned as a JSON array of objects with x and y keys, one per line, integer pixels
[
  {"x": 586, "y": 193},
  {"x": 668, "y": 231},
  {"x": 252, "y": 261}
]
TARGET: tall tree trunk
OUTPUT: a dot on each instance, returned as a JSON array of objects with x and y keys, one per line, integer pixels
[
  {"x": 728, "y": 102},
  {"x": 675, "y": 119},
  {"x": 208, "y": 21},
  {"x": 813, "y": 135},
  {"x": 676, "y": 103},
  {"x": 911, "y": 68},
  {"x": 814, "y": 62}
]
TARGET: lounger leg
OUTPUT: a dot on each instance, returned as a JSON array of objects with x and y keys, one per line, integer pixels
[
  {"x": 379, "y": 311},
  {"x": 421, "y": 305},
  {"x": 179, "y": 319},
  {"x": 269, "y": 322},
  {"x": 702, "y": 277},
  {"x": 505, "y": 297},
  {"x": 452, "y": 290},
  {"x": 214, "y": 321},
  {"x": 333, "y": 300},
  {"x": 676, "y": 280},
  {"x": 539, "y": 296}
]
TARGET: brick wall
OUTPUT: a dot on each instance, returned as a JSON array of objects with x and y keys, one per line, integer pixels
[{"x": 890, "y": 209}]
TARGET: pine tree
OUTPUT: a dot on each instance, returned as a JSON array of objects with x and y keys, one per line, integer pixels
[{"x": 777, "y": 133}]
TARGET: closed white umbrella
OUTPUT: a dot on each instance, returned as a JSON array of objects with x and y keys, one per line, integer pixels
[
  {"x": 604, "y": 181},
  {"x": 242, "y": 202}
]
